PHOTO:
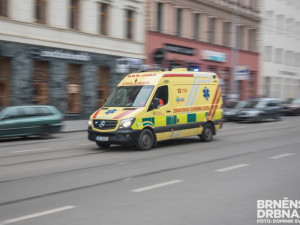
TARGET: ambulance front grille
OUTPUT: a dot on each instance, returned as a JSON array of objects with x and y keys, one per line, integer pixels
[{"x": 105, "y": 124}]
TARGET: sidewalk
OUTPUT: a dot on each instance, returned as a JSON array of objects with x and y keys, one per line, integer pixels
[{"x": 75, "y": 125}]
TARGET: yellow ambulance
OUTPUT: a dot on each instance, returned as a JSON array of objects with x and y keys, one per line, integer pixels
[{"x": 148, "y": 107}]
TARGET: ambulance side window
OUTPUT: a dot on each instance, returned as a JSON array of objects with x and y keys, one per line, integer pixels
[{"x": 162, "y": 96}]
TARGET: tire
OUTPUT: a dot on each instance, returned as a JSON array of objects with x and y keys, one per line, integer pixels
[
  {"x": 145, "y": 140},
  {"x": 103, "y": 144},
  {"x": 207, "y": 133},
  {"x": 45, "y": 131}
]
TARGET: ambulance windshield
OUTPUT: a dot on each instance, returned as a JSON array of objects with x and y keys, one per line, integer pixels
[{"x": 129, "y": 96}]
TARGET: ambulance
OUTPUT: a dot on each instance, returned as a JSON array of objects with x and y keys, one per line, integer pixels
[{"x": 148, "y": 107}]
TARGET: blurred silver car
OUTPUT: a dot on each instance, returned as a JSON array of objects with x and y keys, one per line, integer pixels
[
  {"x": 232, "y": 109},
  {"x": 260, "y": 109},
  {"x": 291, "y": 107}
]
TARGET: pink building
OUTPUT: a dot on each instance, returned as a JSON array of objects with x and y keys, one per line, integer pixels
[{"x": 219, "y": 36}]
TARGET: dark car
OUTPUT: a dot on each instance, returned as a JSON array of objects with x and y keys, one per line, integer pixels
[
  {"x": 28, "y": 120},
  {"x": 232, "y": 109},
  {"x": 260, "y": 109},
  {"x": 291, "y": 107}
]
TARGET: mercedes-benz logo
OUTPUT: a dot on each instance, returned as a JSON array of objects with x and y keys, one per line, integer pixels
[{"x": 102, "y": 124}]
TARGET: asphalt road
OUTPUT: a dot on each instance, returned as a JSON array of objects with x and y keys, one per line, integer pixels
[{"x": 67, "y": 180}]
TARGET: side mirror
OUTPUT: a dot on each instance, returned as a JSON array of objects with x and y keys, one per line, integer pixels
[{"x": 154, "y": 104}]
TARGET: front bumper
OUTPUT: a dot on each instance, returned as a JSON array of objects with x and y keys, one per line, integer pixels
[
  {"x": 248, "y": 118},
  {"x": 123, "y": 137}
]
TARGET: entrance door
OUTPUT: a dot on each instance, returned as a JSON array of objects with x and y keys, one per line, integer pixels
[
  {"x": 40, "y": 82},
  {"x": 103, "y": 85},
  {"x": 74, "y": 88},
  {"x": 4, "y": 81}
]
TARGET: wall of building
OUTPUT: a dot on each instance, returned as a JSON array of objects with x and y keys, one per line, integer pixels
[
  {"x": 281, "y": 48},
  {"x": 25, "y": 42},
  {"x": 246, "y": 54}
]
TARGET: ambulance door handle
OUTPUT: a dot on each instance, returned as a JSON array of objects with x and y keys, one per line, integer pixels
[{"x": 168, "y": 111}]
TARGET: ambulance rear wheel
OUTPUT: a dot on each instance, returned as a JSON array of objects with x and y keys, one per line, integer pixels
[
  {"x": 145, "y": 141},
  {"x": 207, "y": 133}
]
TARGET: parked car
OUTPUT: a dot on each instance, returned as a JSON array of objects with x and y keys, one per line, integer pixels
[
  {"x": 232, "y": 109},
  {"x": 260, "y": 109},
  {"x": 291, "y": 107},
  {"x": 28, "y": 120}
]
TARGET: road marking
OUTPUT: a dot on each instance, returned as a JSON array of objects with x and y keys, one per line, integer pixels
[
  {"x": 232, "y": 167},
  {"x": 88, "y": 143},
  {"x": 32, "y": 150},
  {"x": 18, "y": 219},
  {"x": 157, "y": 186},
  {"x": 281, "y": 156}
]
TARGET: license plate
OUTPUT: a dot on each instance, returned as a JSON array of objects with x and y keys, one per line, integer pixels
[{"x": 99, "y": 138}]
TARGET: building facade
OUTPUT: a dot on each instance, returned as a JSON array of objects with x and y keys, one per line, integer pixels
[
  {"x": 68, "y": 53},
  {"x": 280, "y": 31},
  {"x": 211, "y": 35}
]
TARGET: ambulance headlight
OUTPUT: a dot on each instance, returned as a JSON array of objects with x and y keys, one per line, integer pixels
[
  {"x": 126, "y": 123},
  {"x": 90, "y": 122}
]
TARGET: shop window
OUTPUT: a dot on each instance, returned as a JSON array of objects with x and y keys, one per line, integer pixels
[
  {"x": 74, "y": 88},
  {"x": 4, "y": 8},
  {"x": 74, "y": 14},
  {"x": 103, "y": 84},
  {"x": 4, "y": 81},
  {"x": 129, "y": 24},
  {"x": 40, "y": 11},
  {"x": 40, "y": 82},
  {"x": 103, "y": 17}
]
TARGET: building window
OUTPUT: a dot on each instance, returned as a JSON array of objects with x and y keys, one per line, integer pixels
[
  {"x": 268, "y": 54},
  {"x": 4, "y": 8},
  {"x": 278, "y": 55},
  {"x": 74, "y": 88},
  {"x": 103, "y": 17},
  {"x": 103, "y": 85},
  {"x": 269, "y": 20},
  {"x": 40, "y": 11},
  {"x": 240, "y": 37},
  {"x": 40, "y": 82},
  {"x": 280, "y": 23},
  {"x": 74, "y": 14},
  {"x": 226, "y": 34},
  {"x": 252, "y": 40},
  {"x": 159, "y": 16},
  {"x": 211, "y": 30},
  {"x": 196, "y": 26},
  {"x": 4, "y": 81},
  {"x": 129, "y": 24},
  {"x": 178, "y": 22}
]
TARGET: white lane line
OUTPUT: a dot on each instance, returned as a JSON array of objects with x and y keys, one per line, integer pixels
[
  {"x": 18, "y": 219},
  {"x": 87, "y": 143},
  {"x": 157, "y": 186},
  {"x": 281, "y": 156},
  {"x": 232, "y": 167},
  {"x": 32, "y": 150}
]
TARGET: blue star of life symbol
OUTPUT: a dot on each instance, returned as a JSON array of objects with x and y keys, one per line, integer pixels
[
  {"x": 110, "y": 111},
  {"x": 206, "y": 93}
]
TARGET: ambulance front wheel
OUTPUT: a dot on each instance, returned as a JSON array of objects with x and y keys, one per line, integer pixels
[
  {"x": 207, "y": 133},
  {"x": 145, "y": 141}
]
